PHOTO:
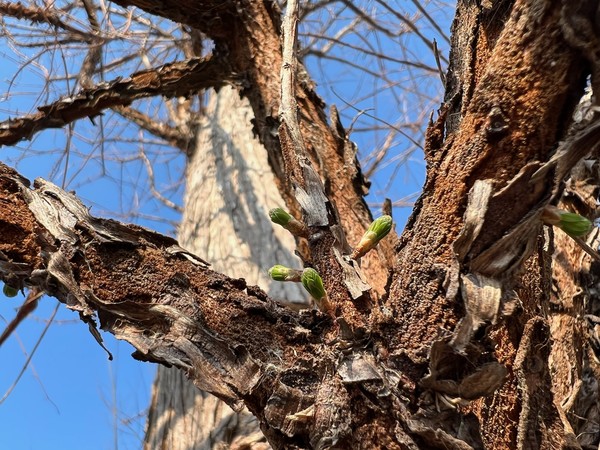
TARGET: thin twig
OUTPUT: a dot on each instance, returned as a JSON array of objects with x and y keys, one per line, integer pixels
[
  {"x": 28, "y": 306},
  {"x": 169, "y": 80},
  {"x": 39, "y": 15},
  {"x": 153, "y": 189},
  {"x": 435, "y": 25},
  {"x": 586, "y": 248},
  {"x": 436, "y": 52},
  {"x": 160, "y": 129},
  {"x": 410, "y": 23},
  {"x": 28, "y": 360},
  {"x": 362, "y": 111}
]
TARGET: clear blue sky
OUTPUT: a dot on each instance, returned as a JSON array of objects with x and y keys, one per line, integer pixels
[{"x": 71, "y": 397}]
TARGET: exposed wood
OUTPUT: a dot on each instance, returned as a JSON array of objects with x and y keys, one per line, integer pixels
[{"x": 574, "y": 359}]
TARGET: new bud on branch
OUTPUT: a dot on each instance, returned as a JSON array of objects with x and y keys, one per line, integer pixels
[
  {"x": 282, "y": 273},
  {"x": 375, "y": 233},
  {"x": 573, "y": 224},
  {"x": 311, "y": 280},
  {"x": 313, "y": 283},
  {"x": 9, "y": 291},
  {"x": 287, "y": 221},
  {"x": 279, "y": 216}
]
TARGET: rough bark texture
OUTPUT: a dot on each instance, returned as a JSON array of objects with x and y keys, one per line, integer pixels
[
  {"x": 230, "y": 189},
  {"x": 479, "y": 340}
]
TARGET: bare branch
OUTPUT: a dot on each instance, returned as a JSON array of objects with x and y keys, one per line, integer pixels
[
  {"x": 185, "y": 290},
  {"x": 155, "y": 192},
  {"x": 160, "y": 129},
  {"x": 289, "y": 107},
  {"x": 379, "y": 55},
  {"x": 94, "y": 55},
  {"x": 433, "y": 22},
  {"x": 40, "y": 15},
  {"x": 171, "y": 80},
  {"x": 28, "y": 306},
  {"x": 231, "y": 339},
  {"x": 410, "y": 23}
]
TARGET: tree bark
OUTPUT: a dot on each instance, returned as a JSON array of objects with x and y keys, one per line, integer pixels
[{"x": 479, "y": 340}]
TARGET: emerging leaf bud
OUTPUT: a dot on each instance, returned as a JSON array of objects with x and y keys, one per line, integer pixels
[
  {"x": 9, "y": 291},
  {"x": 282, "y": 273},
  {"x": 573, "y": 224},
  {"x": 287, "y": 221},
  {"x": 375, "y": 233},
  {"x": 312, "y": 282},
  {"x": 280, "y": 217}
]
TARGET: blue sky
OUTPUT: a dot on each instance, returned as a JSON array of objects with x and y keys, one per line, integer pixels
[{"x": 71, "y": 393}]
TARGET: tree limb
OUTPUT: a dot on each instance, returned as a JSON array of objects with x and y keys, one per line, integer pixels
[
  {"x": 41, "y": 15},
  {"x": 171, "y": 301},
  {"x": 251, "y": 39},
  {"x": 229, "y": 338},
  {"x": 178, "y": 79},
  {"x": 159, "y": 129}
]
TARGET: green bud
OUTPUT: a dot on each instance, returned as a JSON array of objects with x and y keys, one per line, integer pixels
[
  {"x": 378, "y": 229},
  {"x": 574, "y": 224},
  {"x": 279, "y": 216},
  {"x": 312, "y": 282},
  {"x": 282, "y": 273},
  {"x": 10, "y": 291},
  {"x": 381, "y": 226},
  {"x": 287, "y": 221}
]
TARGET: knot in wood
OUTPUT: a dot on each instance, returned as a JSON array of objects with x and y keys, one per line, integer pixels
[{"x": 497, "y": 123}]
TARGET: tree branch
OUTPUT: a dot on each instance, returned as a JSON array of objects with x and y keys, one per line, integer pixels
[
  {"x": 85, "y": 263},
  {"x": 50, "y": 242},
  {"x": 41, "y": 15},
  {"x": 159, "y": 129},
  {"x": 229, "y": 338},
  {"x": 178, "y": 79}
]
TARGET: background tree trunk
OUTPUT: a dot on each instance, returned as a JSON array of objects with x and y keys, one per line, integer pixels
[{"x": 230, "y": 188}]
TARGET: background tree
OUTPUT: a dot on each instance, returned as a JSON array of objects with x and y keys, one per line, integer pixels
[{"x": 419, "y": 360}]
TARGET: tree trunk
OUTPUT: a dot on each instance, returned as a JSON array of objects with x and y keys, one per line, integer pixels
[{"x": 230, "y": 189}]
